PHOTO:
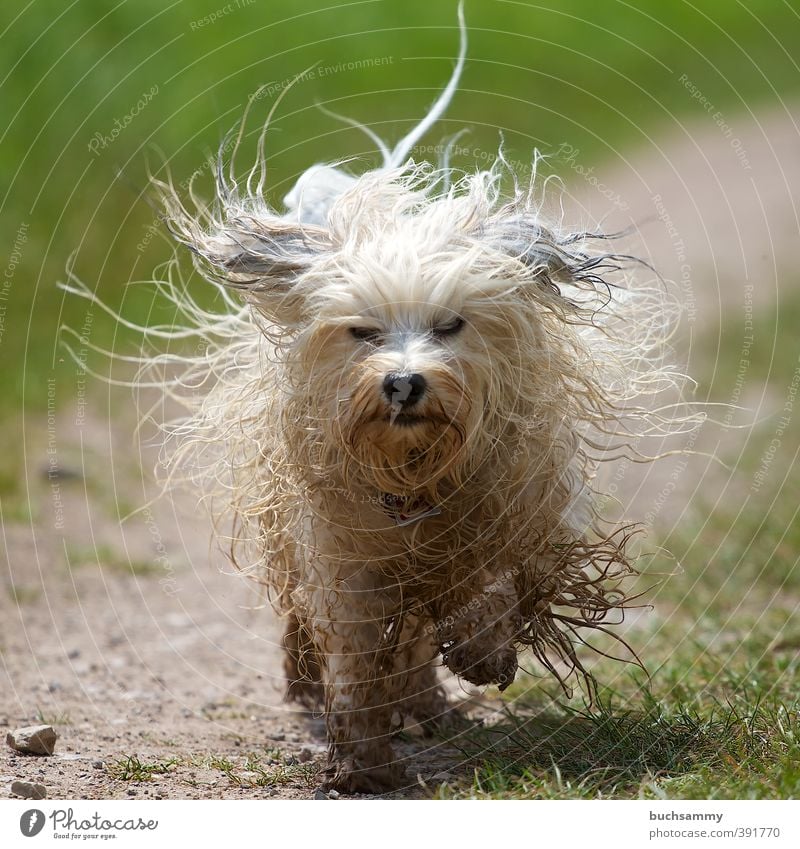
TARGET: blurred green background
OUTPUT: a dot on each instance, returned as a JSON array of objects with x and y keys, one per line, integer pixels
[{"x": 602, "y": 77}]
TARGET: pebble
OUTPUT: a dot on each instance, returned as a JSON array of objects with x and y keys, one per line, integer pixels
[
  {"x": 97, "y": 764},
  {"x": 321, "y": 794},
  {"x": 33, "y": 739},
  {"x": 131, "y": 791},
  {"x": 27, "y": 790},
  {"x": 305, "y": 756}
]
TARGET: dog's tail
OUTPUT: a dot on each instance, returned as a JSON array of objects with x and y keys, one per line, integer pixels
[
  {"x": 319, "y": 186},
  {"x": 400, "y": 151}
]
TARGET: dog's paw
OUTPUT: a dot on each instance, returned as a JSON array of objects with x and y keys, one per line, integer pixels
[
  {"x": 347, "y": 775},
  {"x": 474, "y": 663}
]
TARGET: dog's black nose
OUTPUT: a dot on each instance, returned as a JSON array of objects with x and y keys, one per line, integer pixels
[{"x": 404, "y": 390}]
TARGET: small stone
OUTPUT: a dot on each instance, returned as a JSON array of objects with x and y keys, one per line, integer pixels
[
  {"x": 27, "y": 790},
  {"x": 305, "y": 756},
  {"x": 97, "y": 764},
  {"x": 320, "y": 794},
  {"x": 279, "y": 738},
  {"x": 333, "y": 794},
  {"x": 73, "y": 653},
  {"x": 292, "y": 761},
  {"x": 33, "y": 739},
  {"x": 131, "y": 791}
]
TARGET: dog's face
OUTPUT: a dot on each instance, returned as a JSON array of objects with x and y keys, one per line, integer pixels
[
  {"x": 396, "y": 366},
  {"x": 414, "y": 330}
]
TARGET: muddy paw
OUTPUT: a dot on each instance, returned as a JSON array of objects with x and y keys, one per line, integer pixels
[
  {"x": 474, "y": 664},
  {"x": 347, "y": 775}
]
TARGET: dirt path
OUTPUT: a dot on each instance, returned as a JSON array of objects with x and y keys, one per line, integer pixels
[
  {"x": 717, "y": 211},
  {"x": 130, "y": 640}
]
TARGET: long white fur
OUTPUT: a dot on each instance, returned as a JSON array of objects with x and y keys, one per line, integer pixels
[{"x": 559, "y": 364}]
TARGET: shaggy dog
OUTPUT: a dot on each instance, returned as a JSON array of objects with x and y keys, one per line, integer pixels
[{"x": 400, "y": 408}]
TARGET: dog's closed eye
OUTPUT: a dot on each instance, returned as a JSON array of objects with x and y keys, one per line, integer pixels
[
  {"x": 366, "y": 334},
  {"x": 451, "y": 328},
  {"x": 374, "y": 336}
]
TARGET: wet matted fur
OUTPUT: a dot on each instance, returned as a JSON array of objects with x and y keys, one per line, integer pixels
[{"x": 397, "y": 416}]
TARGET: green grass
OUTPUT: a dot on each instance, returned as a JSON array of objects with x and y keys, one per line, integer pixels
[
  {"x": 698, "y": 730},
  {"x": 131, "y": 768},
  {"x": 55, "y": 719},
  {"x": 265, "y": 768},
  {"x": 21, "y": 594},
  {"x": 106, "y": 557},
  {"x": 709, "y": 723}
]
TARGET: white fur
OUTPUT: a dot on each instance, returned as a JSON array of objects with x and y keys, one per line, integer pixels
[{"x": 468, "y": 532}]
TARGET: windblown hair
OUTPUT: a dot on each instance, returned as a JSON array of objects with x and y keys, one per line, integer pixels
[
  {"x": 397, "y": 409},
  {"x": 567, "y": 355},
  {"x": 563, "y": 364}
]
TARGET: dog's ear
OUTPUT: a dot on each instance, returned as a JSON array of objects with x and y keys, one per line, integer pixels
[
  {"x": 245, "y": 245},
  {"x": 557, "y": 262},
  {"x": 264, "y": 256}
]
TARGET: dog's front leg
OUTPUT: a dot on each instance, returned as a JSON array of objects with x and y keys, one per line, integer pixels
[
  {"x": 477, "y": 632},
  {"x": 350, "y": 635}
]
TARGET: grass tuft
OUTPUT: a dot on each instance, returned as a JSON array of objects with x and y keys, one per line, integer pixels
[
  {"x": 131, "y": 768},
  {"x": 267, "y": 769}
]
